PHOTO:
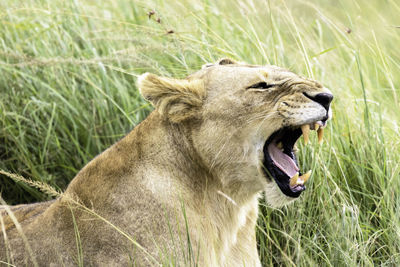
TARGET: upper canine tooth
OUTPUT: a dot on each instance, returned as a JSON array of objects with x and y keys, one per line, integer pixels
[
  {"x": 316, "y": 126},
  {"x": 320, "y": 135},
  {"x": 306, "y": 130},
  {"x": 293, "y": 180},
  {"x": 295, "y": 149}
]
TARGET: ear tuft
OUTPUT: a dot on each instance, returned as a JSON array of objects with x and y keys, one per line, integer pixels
[
  {"x": 226, "y": 61},
  {"x": 176, "y": 100}
]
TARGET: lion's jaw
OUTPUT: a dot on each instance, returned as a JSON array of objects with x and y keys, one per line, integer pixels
[{"x": 241, "y": 115}]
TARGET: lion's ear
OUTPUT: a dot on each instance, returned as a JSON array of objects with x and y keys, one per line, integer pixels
[
  {"x": 226, "y": 61},
  {"x": 175, "y": 99},
  {"x": 222, "y": 61}
]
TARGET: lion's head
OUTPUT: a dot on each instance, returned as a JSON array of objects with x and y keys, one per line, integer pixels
[{"x": 243, "y": 121}]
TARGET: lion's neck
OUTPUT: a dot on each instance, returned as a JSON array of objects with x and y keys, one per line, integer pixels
[
  {"x": 225, "y": 229},
  {"x": 157, "y": 161}
]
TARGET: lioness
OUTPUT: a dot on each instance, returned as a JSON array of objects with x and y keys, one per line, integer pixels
[{"x": 182, "y": 188}]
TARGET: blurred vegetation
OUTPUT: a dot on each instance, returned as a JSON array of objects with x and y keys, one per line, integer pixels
[{"x": 67, "y": 92}]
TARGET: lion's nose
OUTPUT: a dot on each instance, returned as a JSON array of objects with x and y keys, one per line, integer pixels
[{"x": 324, "y": 99}]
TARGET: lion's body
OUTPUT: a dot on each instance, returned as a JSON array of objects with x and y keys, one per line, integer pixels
[
  {"x": 137, "y": 192},
  {"x": 171, "y": 191}
]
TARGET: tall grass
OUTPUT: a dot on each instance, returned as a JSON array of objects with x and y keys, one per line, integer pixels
[{"x": 67, "y": 87}]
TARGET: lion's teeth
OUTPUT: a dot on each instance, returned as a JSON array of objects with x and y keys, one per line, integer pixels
[
  {"x": 316, "y": 126},
  {"x": 300, "y": 181},
  {"x": 296, "y": 180},
  {"x": 306, "y": 176},
  {"x": 320, "y": 135},
  {"x": 293, "y": 180},
  {"x": 306, "y": 131}
]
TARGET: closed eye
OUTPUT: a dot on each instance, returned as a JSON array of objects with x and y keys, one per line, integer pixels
[{"x": 261, "y": 85}]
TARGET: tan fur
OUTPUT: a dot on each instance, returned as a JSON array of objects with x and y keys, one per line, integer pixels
[
  {"x": 190, "y": 171},
  {"x": 176, "y": 99}
]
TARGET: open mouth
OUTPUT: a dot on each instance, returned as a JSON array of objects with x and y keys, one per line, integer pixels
[{"x": 280, "y": 161}]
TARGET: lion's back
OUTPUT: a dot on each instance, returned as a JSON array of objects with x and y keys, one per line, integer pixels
[
  {"x": 12, "y": 220},
  {"x": 23, "y": 213}
]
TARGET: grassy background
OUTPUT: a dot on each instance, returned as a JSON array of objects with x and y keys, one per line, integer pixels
[{"x": 67, "y": 92}]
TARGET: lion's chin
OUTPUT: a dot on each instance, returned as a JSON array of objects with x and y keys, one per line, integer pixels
[{"x": 274, "y": 196}]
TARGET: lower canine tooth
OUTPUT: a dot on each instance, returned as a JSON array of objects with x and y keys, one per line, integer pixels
[
  {"x": 300, "y": 181},
  {"x": 306, "y": 130},
  {"x": 306, "y": 176},
  {"x": 320, "y": 135},
  {"x": 293, "y": 180}
]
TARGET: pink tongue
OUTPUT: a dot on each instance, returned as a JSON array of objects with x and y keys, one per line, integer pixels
[{"x": 282, "y": 161}]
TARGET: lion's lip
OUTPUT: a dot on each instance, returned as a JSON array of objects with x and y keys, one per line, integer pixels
[{"x": 280, "y": 161}]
